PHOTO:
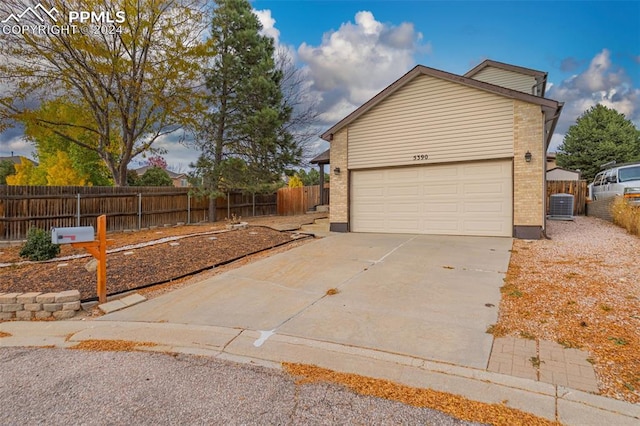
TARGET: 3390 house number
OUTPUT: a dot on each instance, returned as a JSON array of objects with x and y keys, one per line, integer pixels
[{"x": 420, "y": 157}]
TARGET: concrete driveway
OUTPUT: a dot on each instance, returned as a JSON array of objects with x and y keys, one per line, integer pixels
[{"x": 425, "y": 296}]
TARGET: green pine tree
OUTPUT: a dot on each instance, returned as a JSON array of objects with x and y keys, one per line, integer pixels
[
  {"x": 248, "y": 114},
  {"x": 600, "y": 135}
]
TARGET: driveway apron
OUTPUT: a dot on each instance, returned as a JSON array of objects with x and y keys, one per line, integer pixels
[{"x": 427, "y": 296}]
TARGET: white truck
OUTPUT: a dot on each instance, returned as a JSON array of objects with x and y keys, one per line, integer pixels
[{"x": 621, "y": 179}]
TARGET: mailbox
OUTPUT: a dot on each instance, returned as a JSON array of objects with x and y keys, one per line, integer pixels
[{"x": 77, "y": 234}]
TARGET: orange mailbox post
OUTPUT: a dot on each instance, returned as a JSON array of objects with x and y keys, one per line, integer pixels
[{"x": 83, "y": 237}]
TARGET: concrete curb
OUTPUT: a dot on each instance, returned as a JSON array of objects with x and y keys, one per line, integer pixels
[{"x": 568, "y": 406}]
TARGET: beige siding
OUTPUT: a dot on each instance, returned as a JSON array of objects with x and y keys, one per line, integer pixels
[
  {"x": 509, "y": 79},
  {"x": 444, "y": 120}
]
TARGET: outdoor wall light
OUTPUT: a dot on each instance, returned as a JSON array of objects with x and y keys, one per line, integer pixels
[
  {"x": 527, "y": 157},
  {"x": 336, "y": 170}
]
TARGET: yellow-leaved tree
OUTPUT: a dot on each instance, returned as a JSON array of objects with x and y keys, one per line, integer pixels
[
  {"x": 60, "y": 171},
  {"x": 295, "y": 182},
  {"x": 55, "y": 170},
  {"x": 25, "y": 174},
  {"x": 132, "y": 67}
]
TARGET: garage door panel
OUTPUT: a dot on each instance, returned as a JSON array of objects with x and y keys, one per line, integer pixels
[
  {"x": 460, "y": 199},
  {"x": 484, "y": 227},
  {"x": 443, "y": 226},
  {"x": 484, "y": 207},
  {"x": 435, "y": 188},
  {"x": 440, "y": 207},
  {"x": 399, "y": 191},
  {"x": 404, "y": 209},
  {"x": 403, "y": 175}
]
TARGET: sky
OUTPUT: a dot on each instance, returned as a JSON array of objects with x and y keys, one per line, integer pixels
[{"x": 350, "y": 50}]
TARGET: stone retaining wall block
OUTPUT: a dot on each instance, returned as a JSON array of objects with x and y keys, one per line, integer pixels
[
  {"x": 46, "y": 298},
  {"x": 52, "y": 307},
  {"x": 43, "y": 314},
  {"x": 67, "y": 296},
  {"x": 71, "y": 306},
  {"x": 33, "y": 307},
  {"x": 9, "y": 297},
  {"x": 24, "y": 315},
  {"x": 64, "y": 314},
  {"x": 27, "y": 298},
  {"x": 12, "y": 307}
]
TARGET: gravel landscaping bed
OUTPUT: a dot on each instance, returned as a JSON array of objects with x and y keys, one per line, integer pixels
[
  {"x": 581, "y": 289},
  {"x": 133, "y": 267}
]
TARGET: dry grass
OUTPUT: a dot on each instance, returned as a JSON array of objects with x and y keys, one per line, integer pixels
[
  {"x": 581, "y": 290},
  {"x": 111, "y": 345},
  {"x": 626, "y": 215},
  {"x": 454, "y": 405}
]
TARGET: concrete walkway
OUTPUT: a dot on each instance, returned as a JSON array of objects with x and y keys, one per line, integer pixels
[{"x": 411, "y": 309}]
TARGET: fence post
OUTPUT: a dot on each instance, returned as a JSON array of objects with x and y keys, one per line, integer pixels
[
  {"x": 188, "y": 208},
  {"x": 254, "y": 204},
  {"x": 139, "y": 211},
  {"x": 78, "y": 211},
  {"x": 228, "y": 207}
]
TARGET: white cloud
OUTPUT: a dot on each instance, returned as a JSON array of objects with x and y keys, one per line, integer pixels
[
  {"x": 268, "y": 25},
  {"x": 12, "y": 141},
  {"x": 358, "y": 60},
  {"x": 602, "y": 82}
]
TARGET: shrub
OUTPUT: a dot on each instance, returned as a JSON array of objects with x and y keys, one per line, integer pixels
[
  {"x": 626, "y": 215},
  {"x": 39, "y": 246}
]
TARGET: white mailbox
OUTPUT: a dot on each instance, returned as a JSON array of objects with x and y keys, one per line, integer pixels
[{"x": 77, "y": 234}]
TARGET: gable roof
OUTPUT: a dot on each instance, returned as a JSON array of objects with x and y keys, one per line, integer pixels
[
  {"x": 515, "y": 68},
  {"x": 322, "y": 158},
  {"x": 16, "y": 159},
  {"x": 540, "y": 76},
  {"x": 550, "y": 107},
  {"x": 564, "y": 170},
  {"x": 173, "y": 175}
]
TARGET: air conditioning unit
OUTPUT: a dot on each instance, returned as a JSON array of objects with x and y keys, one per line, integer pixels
[{"x": 561, "y": 207}]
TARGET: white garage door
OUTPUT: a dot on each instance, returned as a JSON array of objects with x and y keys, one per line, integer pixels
[{"x": 450, "y": 199}]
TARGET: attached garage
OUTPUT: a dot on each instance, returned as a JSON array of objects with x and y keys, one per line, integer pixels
[
  {"x": 439, "y": 153},
  {"x": 451, "y": 199}
]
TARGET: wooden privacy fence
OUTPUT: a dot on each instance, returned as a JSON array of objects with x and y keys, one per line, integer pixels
[
  {"x": 577, "y": 188},
  {"x": 292, "y": 201},
  {"x": 23, "y": 207}
]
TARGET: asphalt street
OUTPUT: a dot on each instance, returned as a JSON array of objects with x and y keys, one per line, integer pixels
[{"x": 62, "y": 386}]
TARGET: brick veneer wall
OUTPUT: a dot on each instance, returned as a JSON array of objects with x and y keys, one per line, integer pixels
[
  {"x": 28, "y": 306},
  {"x": 339, "y": 200},
  {"x": 601, "y": 209},
  {"x": 528, "y": 178}
]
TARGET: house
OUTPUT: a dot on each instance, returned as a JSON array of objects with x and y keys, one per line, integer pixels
[
  {"x": 179, "y": 179},
  {"x": 558, "y": 173},
  {"x": 440, "y": 153},
  {"x": 16, "y": 159}
]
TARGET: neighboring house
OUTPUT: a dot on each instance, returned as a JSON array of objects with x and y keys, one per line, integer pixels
[
  {"x": 440, "y": 153},
  {"x": 558, "y": 173},
  {"x": 16, "y": 159},
  {"x": 551, "y": 160},
  {"x": 179, "y": 179}
]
